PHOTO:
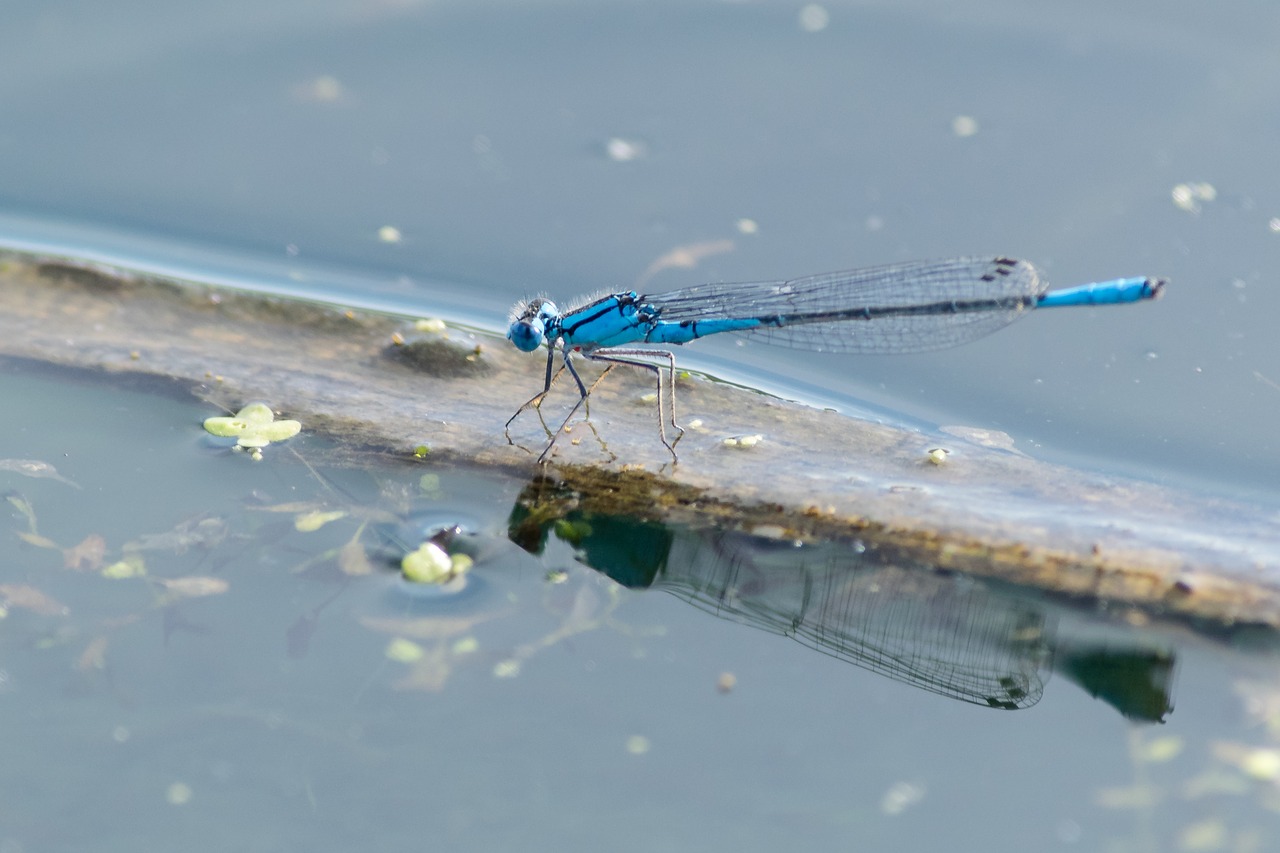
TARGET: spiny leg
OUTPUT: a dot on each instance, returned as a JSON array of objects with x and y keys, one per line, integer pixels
[
  {"x": 592, "y": 389},
  {"x": 538, "y": 407},
  {"x": 586, "y": 404},
  {"x": 633, "y": 357},
  {"x": 670, "y": 359},
  {"x": 582, "y": 398},
  {"x": 671, "y": 390},
  {"x": 535, "y": 401}
]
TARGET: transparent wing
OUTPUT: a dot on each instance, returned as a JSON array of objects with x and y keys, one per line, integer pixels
[{"x": 909, "y": 307}]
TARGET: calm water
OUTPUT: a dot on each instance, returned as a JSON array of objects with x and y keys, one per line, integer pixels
[
  {"x": 600, "y": 684},
  {"x": 271, "y": 683},
  {"x": 520, "y": 148}
]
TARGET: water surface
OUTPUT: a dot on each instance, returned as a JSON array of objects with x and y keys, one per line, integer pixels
[{"x": 271, "y": 682}]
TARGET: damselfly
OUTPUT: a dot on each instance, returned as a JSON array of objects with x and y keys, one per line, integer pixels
[{"x": 898, "y": 308}]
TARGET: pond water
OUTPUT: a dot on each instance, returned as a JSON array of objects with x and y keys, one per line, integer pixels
[
  {"x": 270, "y": 683},
  {"x": 207, "y": 652}
]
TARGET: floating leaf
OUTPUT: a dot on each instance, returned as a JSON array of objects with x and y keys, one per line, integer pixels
[
  {"x": 39, "y": 541},
  {"x": 130, "y": 566},
  {"x": 35, "y": 468},
  {"x": 194, "y": 586},
  {"x": 312, "y": 521},
  {"x": 225, "y": 427},
  {"x": 401, "y": 650},
  {"x": 87, "y": 556},
  {"x": 23, "y": 506},
  {"x": 428, "y": 564},
  {"x": 279, "y": 430},
  {"x": 254, "y": 426},
  {"x": 30, "y": 598},
  {"x": 254, "y": 414}
]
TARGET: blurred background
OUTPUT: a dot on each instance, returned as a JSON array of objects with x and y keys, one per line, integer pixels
[{"x": 449, "y": 158}]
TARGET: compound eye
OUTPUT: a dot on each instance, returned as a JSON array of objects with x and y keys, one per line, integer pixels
[
  {"x": 527, "y": 335},
  {"x": 545, "y": 309}
]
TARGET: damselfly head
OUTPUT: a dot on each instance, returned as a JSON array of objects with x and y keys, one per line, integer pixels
[{"x": 528, "y": 326}]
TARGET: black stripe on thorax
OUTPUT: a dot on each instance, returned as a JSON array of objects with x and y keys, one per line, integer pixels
[{"x": 620, "y": 302}]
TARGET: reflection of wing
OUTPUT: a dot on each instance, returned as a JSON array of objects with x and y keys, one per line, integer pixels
[{"x": 946, "y": 634}]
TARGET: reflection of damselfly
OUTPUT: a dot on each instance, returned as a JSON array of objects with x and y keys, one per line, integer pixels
[
  {"x": 910, "y": 307},
  {"x": 943, "y": 633}
]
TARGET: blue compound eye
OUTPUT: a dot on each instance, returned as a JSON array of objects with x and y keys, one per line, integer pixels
[
  {"x": 529, "y": 328},
  {"x": 527, "y": 335}
]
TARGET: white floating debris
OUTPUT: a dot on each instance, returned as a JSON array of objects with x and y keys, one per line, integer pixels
[
  {"x": 1189, "y": 197},
  {"x": 814, "y": 18},
  {"x": 178, "y": 794},
  {"x": 324, "y": 89},
  {"x": 434, "y": 325},
  {"x": 964, "y": 126},
  {"x": 622, "y": 150},
  {"x": 900, "y": 797},
  {"x": 637, "y": 744}
]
